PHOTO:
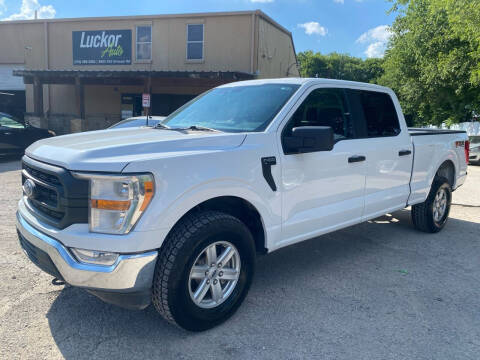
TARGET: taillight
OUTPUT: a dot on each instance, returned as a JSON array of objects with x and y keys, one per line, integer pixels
[{"x": 467, "y": 150}]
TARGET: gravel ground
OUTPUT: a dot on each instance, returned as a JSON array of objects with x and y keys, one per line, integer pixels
[{"x": 379, "y": 290}]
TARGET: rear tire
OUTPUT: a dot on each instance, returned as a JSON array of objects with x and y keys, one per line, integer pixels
[
  {"x": 432, "y": 215},
  {"x": 184, "y": 249}
]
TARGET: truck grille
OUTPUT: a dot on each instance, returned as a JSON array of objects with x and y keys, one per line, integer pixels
[
  {"x": 46, "y": 191},
  {"x": 50, "y": 179},
  {"x": 58, "y": 198}
]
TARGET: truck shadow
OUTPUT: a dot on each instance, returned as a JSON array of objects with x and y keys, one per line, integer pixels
[{"x": 296, "y": 287}]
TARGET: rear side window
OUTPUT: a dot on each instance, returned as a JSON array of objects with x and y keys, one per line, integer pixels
[{"x": 380, "y": 114}]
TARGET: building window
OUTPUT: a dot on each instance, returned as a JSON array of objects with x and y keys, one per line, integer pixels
[
  {"x": 144, "y": 43},
  {"x": 195, "y": 42}
]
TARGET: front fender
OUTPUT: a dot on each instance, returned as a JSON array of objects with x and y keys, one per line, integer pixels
[{"x": 164, "y": 217}]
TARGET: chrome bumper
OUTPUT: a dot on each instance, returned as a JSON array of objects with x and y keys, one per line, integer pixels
[{"x": 130, "y": 273}]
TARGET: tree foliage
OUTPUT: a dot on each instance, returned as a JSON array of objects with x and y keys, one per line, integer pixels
[
  {"x": 339, "y": 66},
  {"x": 433, "y": 59}
]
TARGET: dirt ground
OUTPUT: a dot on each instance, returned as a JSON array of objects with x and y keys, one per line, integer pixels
[{"x": 379, "y": 290}]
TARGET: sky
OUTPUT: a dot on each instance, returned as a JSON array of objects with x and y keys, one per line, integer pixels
[{"x": 355, "y": 27}]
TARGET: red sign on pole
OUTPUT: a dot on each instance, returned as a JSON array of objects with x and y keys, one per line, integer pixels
[{"x": 146, "y": 100}]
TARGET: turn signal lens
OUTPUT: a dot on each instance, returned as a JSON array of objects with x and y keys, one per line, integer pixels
[
  {"x": 148, "y": 188},
  {"x": 115, "y": 205}
]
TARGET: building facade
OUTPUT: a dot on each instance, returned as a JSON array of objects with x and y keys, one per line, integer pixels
[{"x": 88, "y": 73}]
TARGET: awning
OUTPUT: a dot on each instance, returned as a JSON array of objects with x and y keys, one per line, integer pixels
[{"x": 127, "y": 77}]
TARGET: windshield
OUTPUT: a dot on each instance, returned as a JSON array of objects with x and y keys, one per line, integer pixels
[
  {"x": 475, "y": 140},
  {"x": 233, "y": 109}
]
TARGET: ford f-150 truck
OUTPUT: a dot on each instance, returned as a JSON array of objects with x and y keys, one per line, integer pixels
[{"x": 175, "y": 215}]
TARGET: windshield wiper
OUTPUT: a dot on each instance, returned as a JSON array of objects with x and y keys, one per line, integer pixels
[
  {"x": 162, "y": 126},
  {"x": 201, "y": 128},
  {"x": 193, "y": 128}
]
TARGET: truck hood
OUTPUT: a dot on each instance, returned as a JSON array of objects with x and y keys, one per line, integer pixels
[{"x": 112, "y": 150}]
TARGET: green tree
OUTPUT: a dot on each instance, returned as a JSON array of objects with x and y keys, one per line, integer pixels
[
  {"x": 432, "y": 61},
  {"x": 464, "y": 17},
  {"x": 339, "y": 66}
]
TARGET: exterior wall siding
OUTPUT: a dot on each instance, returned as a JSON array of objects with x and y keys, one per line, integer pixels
[
  {"x": 276, "y": 55},
  {"x": 226, "y": 43},
  {"x": 25, "y": 44}
]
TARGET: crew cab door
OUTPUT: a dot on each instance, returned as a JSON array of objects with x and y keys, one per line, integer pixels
[
  {"x": 388, "y": 151},
  {"x": 323, "y": 190}
]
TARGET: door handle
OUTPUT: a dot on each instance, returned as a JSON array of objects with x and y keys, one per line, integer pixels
[
  {"x": 404, "y": 152},
  {"x": 356, "y": 158},
  {"x": 7, "y": 133}
]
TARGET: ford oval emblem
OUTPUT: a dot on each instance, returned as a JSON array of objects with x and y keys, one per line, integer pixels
[{"x": 29, "y": 188}]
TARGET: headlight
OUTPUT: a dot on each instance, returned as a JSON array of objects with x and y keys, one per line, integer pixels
[{"x": 117, "y": 201}]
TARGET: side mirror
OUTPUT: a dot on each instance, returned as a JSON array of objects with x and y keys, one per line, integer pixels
[{"x": 306, "y": 139}]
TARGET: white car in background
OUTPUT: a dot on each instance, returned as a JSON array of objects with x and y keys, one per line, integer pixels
[
  {"x": 474, "y": 150},
  {"x": 138, "y": 121}
]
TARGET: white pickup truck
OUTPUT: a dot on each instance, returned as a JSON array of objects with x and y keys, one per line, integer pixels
[{"x": 176, "y": 214}]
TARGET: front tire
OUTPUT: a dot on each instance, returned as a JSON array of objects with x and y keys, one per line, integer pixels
[
  {"x": 192, "y": 288},
  {"x": 432, "y": 215}
]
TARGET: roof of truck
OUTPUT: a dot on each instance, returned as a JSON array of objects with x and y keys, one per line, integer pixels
[{"x": 303, "y": 81}]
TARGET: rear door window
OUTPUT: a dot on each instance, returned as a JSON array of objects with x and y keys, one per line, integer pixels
[{"x": 380, "y": 114}]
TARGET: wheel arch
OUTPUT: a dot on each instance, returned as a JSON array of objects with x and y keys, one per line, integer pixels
[
  {"x": 447, "y": 170},
  {"x": 238, "y": 207}
]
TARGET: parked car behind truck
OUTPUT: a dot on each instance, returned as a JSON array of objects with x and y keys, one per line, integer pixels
[
  {"x": 474, "y": 150},
  {"x": 175, "y": 215},
  {"x": 15, "y": 136}
]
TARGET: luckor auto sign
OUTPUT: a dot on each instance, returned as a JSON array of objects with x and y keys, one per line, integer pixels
[{"x": 102, "y": 47}]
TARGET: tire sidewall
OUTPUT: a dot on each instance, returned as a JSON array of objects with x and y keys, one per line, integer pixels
[
  {"x": 438, "y": 184},
  {"x": 186, "y": 313}
]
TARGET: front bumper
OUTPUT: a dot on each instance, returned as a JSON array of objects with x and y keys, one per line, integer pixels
[{"x": 131, "y": 274}]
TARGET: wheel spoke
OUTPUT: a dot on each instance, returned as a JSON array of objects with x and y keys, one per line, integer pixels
[
  {"x": 212, "y": 254},
  {"x": 198, "y": 271},
  {"x": 201, "y": 291},
  {"x": 226, "y": 255},
  {"x": 216, "y": 292},
  {"x": 229, "y": 274},
  {"x": 211, "y": 286}
]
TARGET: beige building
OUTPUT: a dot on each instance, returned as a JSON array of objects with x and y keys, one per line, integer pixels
[{"x": 88, "y": 73}]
